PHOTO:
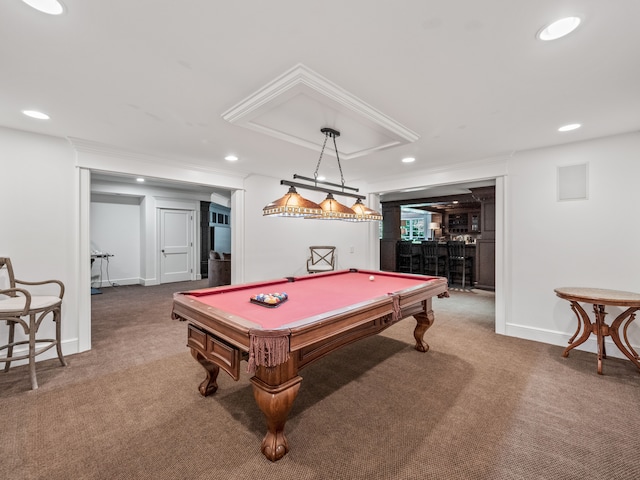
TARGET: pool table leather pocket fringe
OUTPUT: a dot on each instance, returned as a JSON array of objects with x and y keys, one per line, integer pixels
[
  {"x": 395, "y": 299},
  {"x": 267, "y": 348}
]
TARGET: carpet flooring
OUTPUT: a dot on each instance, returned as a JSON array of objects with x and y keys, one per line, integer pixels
[{"x": 476, "y": 406}]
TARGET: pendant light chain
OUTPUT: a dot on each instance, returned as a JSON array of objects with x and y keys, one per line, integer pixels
[
  {"x": 338, "y": 158},
  {"x": 335, "y": 146},
  {"x": 315, "y": 174}
]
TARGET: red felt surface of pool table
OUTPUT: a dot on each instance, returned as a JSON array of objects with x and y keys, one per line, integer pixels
[{"x": 309, "y": 296}]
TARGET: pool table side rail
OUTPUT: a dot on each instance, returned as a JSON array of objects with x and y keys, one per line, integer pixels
[
  {"x": 230, "y": 328},
  {"x": 232, "y": 288},
  {"x": 314, "y": 341},
  {"x": 366, "y": 273}
]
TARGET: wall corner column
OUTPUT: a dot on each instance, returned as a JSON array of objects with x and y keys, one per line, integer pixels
[{"x": 237, "y": 236}]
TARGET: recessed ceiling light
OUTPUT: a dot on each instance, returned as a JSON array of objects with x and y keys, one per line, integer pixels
[
  {"x": 36, "y": 114},
  {"x": 231, "y": 158},
  {"x": 559, "y": 28},
  {"x": 51, "y": 7},
  {"x": 568, "y": 128},
  {"x": 140, "y": 179},
  {"x": 408, "y": 160}
]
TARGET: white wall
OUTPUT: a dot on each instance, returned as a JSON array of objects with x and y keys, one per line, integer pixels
[
  {"x": 278, "y": 247},
  {"x": 591, "y": 243},
  {"x": 38, "y": 228},
  {"x": 115, "y": 229}
]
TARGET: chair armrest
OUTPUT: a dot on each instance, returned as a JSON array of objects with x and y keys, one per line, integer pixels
[
  {"x": 27, "y": 295},
  {"x": 58, "y": 282}
]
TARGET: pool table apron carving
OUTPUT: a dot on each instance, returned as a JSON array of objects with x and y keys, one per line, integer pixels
[{"x": 219, "y": 339}]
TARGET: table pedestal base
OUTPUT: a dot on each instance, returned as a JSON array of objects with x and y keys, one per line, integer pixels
[{"x": 602, "y": 330}]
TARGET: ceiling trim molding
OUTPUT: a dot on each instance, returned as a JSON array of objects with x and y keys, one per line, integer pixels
[
  {"x": 302, "y": 80},
  {"x": 109, "y": 159},
  {"x": 469, "y": 172},
  {"x": 88, "y": 146}
]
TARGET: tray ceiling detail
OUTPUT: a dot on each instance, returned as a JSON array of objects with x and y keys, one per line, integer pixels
[{"x": 298, "y": 103}]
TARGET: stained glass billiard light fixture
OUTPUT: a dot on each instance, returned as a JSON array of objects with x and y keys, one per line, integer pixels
[{"x": 292, "y": 204}]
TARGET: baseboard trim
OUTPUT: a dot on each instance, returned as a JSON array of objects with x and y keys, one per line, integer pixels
[
  {"x": 115, "y": 282},
  {"x": 561, "y": 339}
]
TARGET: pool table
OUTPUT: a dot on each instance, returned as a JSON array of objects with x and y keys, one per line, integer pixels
[{"x": 322, "y": 313}]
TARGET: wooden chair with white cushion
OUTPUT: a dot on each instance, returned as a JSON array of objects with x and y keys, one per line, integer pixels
[
  {"x": 322, "y": 259},
  {"x": 18, "y": 306}
]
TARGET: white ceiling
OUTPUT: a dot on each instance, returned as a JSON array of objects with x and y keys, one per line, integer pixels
[{"x": 467, "y": 76}]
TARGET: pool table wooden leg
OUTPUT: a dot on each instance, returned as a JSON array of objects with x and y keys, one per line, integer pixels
[
  {"x": 209, "y": 385},
  {"x": 275, "y": 401},
  {"x": 424, "y": 320}
]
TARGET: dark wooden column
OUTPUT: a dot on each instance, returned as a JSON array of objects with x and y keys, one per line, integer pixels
[
  {"x": 486, "y": 246},
  {"x": 205, "y": 239},
  {"x": 390, "y": 236}
]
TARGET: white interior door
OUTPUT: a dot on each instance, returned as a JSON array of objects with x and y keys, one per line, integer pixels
[{"x": 176, "y": 246}]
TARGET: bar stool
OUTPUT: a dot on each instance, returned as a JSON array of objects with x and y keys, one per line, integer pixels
[
  {"x": 19, "y": 307},
  {"x": 408, "y": 259},
  {"x": 432, "y": 261},
  {"x": 460, "y": 265}
]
